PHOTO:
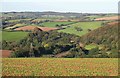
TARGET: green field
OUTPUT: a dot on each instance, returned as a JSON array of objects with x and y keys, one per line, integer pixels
[
  {"x": 90, "y": 46},
  {"x": 96, "y": 16},
  {"x": 13, "y": 36},
  {"x": 18, "y": 20},
  {"x": 60, "y": 67},
  {"x": 53, "y": 24},
  {"x": 84, "y": 25},
  {"x": 41, "y": 19}
]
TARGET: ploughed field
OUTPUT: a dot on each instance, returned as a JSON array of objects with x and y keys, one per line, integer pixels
[
  {"x": 32, "y": 28},
  {"x": 5, "y": 53},
  {"x": 60, "y": 67},
  {"x": 107, "y": 18}
]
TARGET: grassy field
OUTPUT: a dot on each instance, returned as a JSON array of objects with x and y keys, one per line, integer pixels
[
  {"x": 41, "y": 19},
  {"x": 90, "y": 46},
  {"x": 60, "y": 67},
  {"x": 96, "y": 16},
  {"x": 53, "y": 24},
  {"x": 13, "y": 36},
  {"x": 18, "y": 20},
  {"x": 84, "y": 25}
]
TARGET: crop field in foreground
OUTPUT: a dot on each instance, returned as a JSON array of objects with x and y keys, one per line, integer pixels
[{"x": 60, "y": 67}]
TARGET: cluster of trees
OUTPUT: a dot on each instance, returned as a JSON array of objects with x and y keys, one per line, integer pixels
[
  {"x": 57, "y": 25},
  {"x": 7, "y": 24},
  {"x": 39, "y": 43}
]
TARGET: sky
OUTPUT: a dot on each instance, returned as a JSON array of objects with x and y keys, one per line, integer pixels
[{"x": 81, "y": 6}]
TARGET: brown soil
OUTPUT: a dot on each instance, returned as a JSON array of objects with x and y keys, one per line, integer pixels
[
  {"x": 32, "y": 28},
  {"x": 6, "y": 53},
  {"x": 107, "y": 18},
  {"x": 113, "y": 23}
]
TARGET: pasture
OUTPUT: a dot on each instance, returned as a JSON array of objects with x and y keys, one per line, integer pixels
[
  {"x": 40, "y": 19},
  {"x": 60, "y": 67},
  {"x": 84, "y": 25},
  {"x": 13, "y": 36},
  {"x": 53, "y": 24}
]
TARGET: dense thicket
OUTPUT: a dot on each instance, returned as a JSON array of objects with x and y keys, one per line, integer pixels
[{"x": 39, "y": 43}]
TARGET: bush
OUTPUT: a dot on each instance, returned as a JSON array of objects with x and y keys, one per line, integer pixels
[
  {"x": 94, "y": 51},
  {"x": 78, "y": 28}
]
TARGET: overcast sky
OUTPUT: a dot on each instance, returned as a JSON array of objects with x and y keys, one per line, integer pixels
[{"x": 81, "y": 6}]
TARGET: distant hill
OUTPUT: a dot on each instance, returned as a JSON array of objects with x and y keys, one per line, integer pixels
[
  {"x": 39, "y": 14},
  {"x": 47, "y": 14}
]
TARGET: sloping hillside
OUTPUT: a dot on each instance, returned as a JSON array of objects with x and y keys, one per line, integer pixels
[{"x": 106, "y": 36}]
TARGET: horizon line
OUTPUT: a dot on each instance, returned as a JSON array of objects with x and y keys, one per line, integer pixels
[{"x": 62, "y": 12}]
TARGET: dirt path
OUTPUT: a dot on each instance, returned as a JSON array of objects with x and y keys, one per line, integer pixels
[{"x": 62, "y": 54}]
